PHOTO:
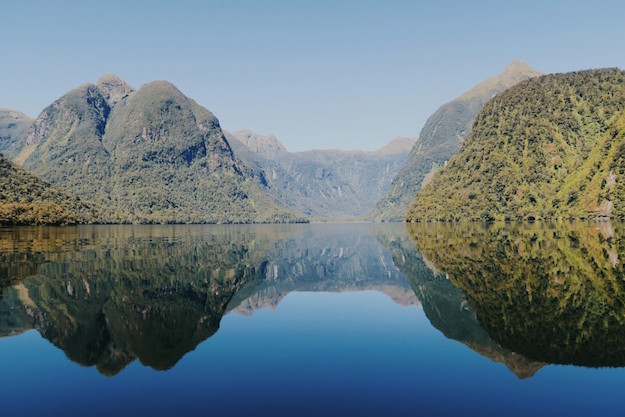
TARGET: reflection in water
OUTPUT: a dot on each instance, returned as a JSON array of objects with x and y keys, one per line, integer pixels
[
  {"x": 519, "y": 295},
  {"x": 333, "y": 258},
  {"x": 447, "y": 309},
  {"x": 108, "y": 295},
  {"x": 552, "y": 292}
]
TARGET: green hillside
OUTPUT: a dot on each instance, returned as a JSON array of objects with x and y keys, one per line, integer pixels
[
  {"x": 551, "y": 147},
  {"x": 441, "y": 138},
  {"x": 25, "y": 199},
  {"x": 147, "y": 156}
]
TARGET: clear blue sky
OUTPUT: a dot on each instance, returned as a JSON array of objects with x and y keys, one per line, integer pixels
[{"x": 318, "y": 74}]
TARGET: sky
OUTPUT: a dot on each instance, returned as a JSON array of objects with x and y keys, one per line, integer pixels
[{"x": 317, "y": 74}]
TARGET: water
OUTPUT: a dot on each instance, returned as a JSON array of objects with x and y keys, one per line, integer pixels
[{"x": 313, "y": 320}]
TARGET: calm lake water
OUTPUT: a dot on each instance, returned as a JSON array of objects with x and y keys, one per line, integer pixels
[{"x": 292, "y": 320}]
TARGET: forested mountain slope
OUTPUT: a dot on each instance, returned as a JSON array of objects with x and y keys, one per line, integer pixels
[
  {"x": 551, "y": 147},
  {"x": 442, "y": 137}
]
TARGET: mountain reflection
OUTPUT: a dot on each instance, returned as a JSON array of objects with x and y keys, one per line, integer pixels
[
  {"x": 447, "y": 309},
  {"x": 521, "y": 295},
  {"x": 554, "y": 293},
  {"x": 108, "y": 295}
]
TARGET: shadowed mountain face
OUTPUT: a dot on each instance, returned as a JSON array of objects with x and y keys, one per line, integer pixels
[
  {"x": 442, "y": 137},
  {"x": 551, "y": 292},
  {"x": 322, "y": 183},
  {"x": 147, "y": 156}
]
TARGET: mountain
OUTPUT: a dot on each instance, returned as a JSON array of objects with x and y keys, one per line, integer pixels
[
  {"x": 150, "y": 155},
  {"x": 25, "y": 199},
  {"x": 322, "y": 184},
  {"x": 550, "y": 147},
  {"x": 442, "y": 136},
  {"x": 265, "y": 146},
  {"x": 13, "y": 126}
]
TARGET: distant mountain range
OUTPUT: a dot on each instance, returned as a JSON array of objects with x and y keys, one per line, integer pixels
[
  {"x": 322, "y": 184},
  {"x": 442, "y": 137}
]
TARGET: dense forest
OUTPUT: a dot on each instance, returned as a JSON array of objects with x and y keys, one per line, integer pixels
[
  {"x": 25, "y": 199},
  {"x": 550, "y": 147}
]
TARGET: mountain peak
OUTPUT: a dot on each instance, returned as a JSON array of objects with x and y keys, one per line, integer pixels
[
  {"x": 14, "y": 114},
  {"x": 398, "y": 145},
  {"x": 515, "y": 72},
  {"x": 110, "y": 78},
  {"x": 517, "y": 64},
  {"x": 161, "y": 88},
  {"x": 518, "y": 67},
  {"x": 113, "y": 88},
  {"x": 267, "y": 146}
]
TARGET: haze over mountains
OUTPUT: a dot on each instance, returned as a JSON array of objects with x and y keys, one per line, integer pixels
[{"x": 322, "y": 184}]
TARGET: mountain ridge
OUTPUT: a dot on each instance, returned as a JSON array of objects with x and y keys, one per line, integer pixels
[
  {"x": 13, "y": 126},
  {"x": 441, "y": 137},
  {"x": 322, "y": 184}
]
